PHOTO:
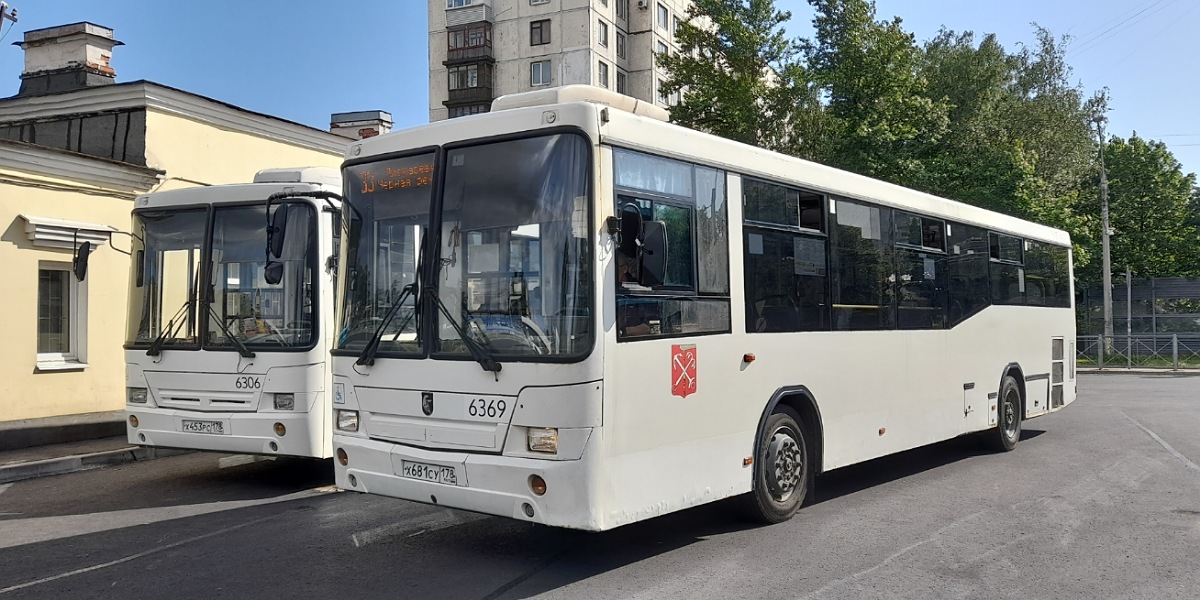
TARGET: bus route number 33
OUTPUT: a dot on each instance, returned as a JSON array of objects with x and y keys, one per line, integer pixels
[
  {"x": 247, "y": 383},
  {"x": 491, "y": 409}
]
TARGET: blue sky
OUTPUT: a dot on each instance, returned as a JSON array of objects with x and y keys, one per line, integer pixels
[{"x": 303, "y": 60}]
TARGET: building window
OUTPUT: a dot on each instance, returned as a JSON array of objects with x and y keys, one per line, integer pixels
[
  {"x": 621, "y": 84},
  {"x": 664, "y": 16},
  {"x": 660, "y": 48},
  {"x": 602, "y": 33},
  {"x": 462, "y": 111},
  {"x": 474, "y": 37},
  {"x": 620, "y": 45},
  {"x": 464, "y": 77},
  {"x": 539, "y": 73},
  {"x": 536, "y": 2},
  {"x": 622, "y": 9},
  {"x": 602, "y": 74},
  {"x": 539, "y": 33},
  {"x": 675, "y": 26},
  {"x": 662, "y": 93},
  {"x": 61, "y": 316},
  {"x": 458, "y": 3}
]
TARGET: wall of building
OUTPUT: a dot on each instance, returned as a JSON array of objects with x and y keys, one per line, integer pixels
[
  {"x": 190, "y": 151},
  {"x": 26, "y": 392}
]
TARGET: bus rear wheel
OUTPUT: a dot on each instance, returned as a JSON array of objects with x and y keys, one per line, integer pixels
[
  {"x": 1008, "y": 418},
  {"x": 781, "y": 469}
]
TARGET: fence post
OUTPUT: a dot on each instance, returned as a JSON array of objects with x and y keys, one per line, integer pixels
[
  {"x": 1175, "y": 351},
  {"x": 1100, "y": 351},
  {"x": 1129, "y": 351}
]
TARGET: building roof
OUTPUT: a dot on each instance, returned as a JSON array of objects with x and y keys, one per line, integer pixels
[
  {"x": 112, "y": 177},
  {"x": 148, "y": 94}
]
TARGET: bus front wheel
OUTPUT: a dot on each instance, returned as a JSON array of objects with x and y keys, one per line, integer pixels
[
  {"x": 781, "y": 469},
  {"x": 1008, "y": 417}
]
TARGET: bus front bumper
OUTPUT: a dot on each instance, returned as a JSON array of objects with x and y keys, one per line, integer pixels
[
  {"x": 241, "y": 433},
  {"x": 485, "y": 483}
]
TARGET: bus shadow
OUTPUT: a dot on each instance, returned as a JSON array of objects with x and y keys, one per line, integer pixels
[{"x": 856, "y": 478}]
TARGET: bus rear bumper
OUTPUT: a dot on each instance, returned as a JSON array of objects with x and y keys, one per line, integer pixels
[
  {"x": 242, "y": 433},
  {"x": 486, "y": 483}
]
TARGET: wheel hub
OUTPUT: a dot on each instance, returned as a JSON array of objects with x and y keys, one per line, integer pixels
[{"x": 785, "y": 465}]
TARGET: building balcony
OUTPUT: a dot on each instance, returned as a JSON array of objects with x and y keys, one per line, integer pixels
[
  {"x": 462, "y": 55},
  {"x": 472, "y": 95}
]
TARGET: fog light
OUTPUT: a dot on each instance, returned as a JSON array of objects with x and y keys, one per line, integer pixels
[
  {"x": 343, "y": 457},
  {"x": 537, "y": 484},
  {"x": 280, "y": 430},
  {"x": 285, "y": 401},
  {"x": 133, "y": 420},
  {"x": 543, "y": 439},
  {"x": 136, "y": 395},
  {"x": 347, "y": 420}
]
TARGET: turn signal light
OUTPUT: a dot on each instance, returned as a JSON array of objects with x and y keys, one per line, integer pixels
[
  {"x": 280, "y": 430},
  {"x": 342, "y": 457},
  {"x": 537, "y": 485},
  {"x": 133, "y": 420}
]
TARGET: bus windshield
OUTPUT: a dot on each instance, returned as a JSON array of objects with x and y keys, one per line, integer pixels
[
  {"x": 510, "y": 272},
  {"x": 171, "y": 256}
]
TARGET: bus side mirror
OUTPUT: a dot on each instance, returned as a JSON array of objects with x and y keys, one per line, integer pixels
[
  {"x": 631, "y": 229},
  {"x": 141, "y": 268},
  {"x": 273, "y": 272},
  {"x": 653, "y": 254},
  {"x": 80, "y": 264},
  {"x": 276, "y": 230}
]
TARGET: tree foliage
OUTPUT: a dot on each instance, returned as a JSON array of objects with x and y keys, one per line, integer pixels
[{"x": 960, "y": 116}]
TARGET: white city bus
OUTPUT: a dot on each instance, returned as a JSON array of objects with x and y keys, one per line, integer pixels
[
  {"x": 229, "y": 333},
  {"x": 570, "y": 312}
]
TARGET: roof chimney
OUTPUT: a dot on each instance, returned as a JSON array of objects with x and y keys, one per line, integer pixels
[
  {"x": 360, "y": 125},
  {"x": 67, "y": 57}
]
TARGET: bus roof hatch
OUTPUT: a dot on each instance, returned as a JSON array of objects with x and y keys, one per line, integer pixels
[{"x": 580, "y": 93}]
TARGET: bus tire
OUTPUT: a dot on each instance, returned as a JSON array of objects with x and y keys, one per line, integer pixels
[
  {"x": 1006, "y": 434},
  {"x": 781, "y": 469}
]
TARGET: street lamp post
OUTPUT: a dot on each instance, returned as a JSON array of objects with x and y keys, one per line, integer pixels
[{"x": 1099, "y": 119}]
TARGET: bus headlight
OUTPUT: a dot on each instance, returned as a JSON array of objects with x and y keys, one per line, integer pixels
[
  {"x": 543, "y": 439},
  {"x": 285, "y": 401},
  {"x": 347, "y": 420},
  {"x": 137, "y": 395}
]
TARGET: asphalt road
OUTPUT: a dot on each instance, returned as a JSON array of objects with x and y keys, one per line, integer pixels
[{"x": 1101, "y": 500}]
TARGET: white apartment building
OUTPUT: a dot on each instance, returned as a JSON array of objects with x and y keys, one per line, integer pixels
[{"x": 480, "y": 50}]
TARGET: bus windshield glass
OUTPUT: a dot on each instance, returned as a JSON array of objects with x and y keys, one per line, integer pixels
[
  {"x": 514, "y": 273},
  {"x": 390, "y": 202},
  {"x": 511, "y": 273},
  {"x": 169, "y": 267},
  {"x": 244, "y": 305},
  {"x": 167, "y": 247}
]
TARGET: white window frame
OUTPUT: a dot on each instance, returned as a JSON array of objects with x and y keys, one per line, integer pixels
[
  {"x": 620, "y": 45},
  {"x": 547, "y": 73},
  {"x": 602, "y": 33},
  {"x": 77, "y": 296},
  {"x": 622, "y": 82},
  {"x": 458, "y": 3},
  {"x": 537, "y": 2},
  {"x": 664, "y": 16},
  {"x": 602, "y": 74}
]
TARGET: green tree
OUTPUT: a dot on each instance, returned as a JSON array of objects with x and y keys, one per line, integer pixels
[
  {"x": 881, "y": 116},
  {"x": 1152, "y": 208},
  {"x": 739, "y": 78}
]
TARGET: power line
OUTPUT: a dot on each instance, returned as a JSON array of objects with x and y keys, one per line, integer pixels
[
  {"x": 1143, "y": 45},
  {"x": 1098, "y": 39}
]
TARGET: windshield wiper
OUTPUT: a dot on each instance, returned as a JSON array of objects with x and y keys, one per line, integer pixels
[
  {"x": 157, "y": 345},
  {"x": 241, "y": 347},
  {"x": 482, "y": 354},
  {"x": 367, "y": 356}
]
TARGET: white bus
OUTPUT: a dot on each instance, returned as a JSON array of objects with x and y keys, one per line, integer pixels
[
  {"x": 569, "y": 312},
  {"x": 229, "y": 333}
]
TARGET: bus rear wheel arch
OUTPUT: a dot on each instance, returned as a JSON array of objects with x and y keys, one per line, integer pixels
[
  {"x": 782, "y": 468},
  {"x": 1009, "y": 411}
]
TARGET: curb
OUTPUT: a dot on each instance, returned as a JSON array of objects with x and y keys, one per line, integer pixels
[
  {"x": 1123, "y": 371},
  {"x": 82, "y": 462}
]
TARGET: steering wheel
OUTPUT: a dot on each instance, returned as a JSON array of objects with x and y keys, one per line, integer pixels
[{"x": 538, "y": 342}]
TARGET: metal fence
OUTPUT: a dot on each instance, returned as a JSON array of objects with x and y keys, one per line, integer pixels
[{"x": 1163, "y": 351}]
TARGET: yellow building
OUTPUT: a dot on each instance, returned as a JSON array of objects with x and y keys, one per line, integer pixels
[{"x": 76, "y": 148}]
